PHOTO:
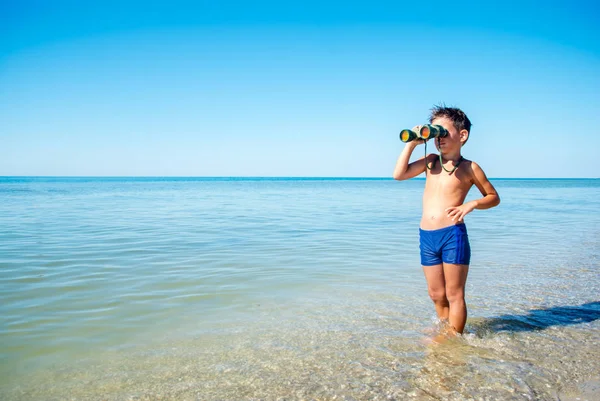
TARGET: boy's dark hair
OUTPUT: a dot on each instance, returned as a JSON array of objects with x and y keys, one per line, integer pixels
[{"x": 456, "y": 115}]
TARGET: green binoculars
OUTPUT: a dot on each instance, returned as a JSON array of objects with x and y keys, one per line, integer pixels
[{"x": 426, "y": 132}]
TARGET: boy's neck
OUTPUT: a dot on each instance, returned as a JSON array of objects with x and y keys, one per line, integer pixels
[{"x": 455, "y": 157}]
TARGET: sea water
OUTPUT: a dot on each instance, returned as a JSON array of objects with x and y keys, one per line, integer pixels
[{"x": 288, "y": 288}]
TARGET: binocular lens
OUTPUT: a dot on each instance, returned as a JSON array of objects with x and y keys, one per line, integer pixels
[
  {"x": 407, "y": 135},
  {"x": 432, "y": 131},
  {"x": 425, "y": 132}
]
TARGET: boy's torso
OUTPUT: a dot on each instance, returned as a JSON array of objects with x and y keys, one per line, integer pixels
[{"x": 444, "y": 190}]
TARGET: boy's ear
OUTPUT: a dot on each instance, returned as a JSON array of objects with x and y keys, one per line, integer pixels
[{"x": 464, "y": 135}]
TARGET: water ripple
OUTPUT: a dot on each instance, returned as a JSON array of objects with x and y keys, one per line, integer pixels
[{"x": 233, "y": 282}]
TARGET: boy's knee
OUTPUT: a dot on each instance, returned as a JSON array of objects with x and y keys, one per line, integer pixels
[
  {"x": 455, "y": 294},
  {"x": 438, "y": 295}
]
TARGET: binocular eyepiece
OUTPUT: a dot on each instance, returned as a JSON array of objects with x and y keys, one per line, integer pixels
[{"x": 426, "y": 132}]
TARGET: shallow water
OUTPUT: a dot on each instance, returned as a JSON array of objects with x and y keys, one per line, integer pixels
[{"x": 219, "y": 289}]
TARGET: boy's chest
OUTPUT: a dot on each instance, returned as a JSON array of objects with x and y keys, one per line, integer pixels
[{"x": 442, "y": 180}]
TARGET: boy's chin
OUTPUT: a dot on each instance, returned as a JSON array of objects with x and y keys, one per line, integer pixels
[{"x": 444, "y": 150}]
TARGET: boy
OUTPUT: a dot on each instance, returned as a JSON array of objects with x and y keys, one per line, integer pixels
[{"x": 444, "y": 244}]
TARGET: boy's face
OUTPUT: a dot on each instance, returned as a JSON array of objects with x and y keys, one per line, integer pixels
[{"x": 454, "y": 140}]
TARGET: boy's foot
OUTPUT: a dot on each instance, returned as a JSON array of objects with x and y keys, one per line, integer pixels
[
  {"x": 439, "y": 326},
  {"x": 451, "y": 331},
  {"x": 439, "y": 339},
  {"x": 440, "y": 334}
]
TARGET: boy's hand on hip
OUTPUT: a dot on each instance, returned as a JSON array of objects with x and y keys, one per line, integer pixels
[{"x": 457, "y": 213}]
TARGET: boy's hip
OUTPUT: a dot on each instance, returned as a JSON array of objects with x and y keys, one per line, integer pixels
[{"x": 449, "y": 245}]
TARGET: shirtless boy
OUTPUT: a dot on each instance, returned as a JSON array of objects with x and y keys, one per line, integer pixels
[{"x": 444, "y": 244}]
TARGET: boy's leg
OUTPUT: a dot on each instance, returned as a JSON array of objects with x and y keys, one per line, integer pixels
[
  {"x": 436, "y": 286},
  {"x": 455, "y": 279}
]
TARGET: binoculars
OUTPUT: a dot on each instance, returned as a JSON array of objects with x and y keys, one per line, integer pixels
[{"x": 426, "y": 132}]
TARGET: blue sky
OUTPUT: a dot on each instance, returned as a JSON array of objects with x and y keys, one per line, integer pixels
[{"x": 293, "y": 89}]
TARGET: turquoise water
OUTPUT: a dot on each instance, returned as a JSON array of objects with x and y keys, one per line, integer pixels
[{"x": 256, "y": 288}]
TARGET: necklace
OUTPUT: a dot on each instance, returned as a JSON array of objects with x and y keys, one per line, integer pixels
[
  {"x": 441, "y": 162},
  {"x": 455, "y": 166}
]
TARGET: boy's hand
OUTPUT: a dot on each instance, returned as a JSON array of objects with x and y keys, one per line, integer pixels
[
  {"x": 457, "y": 213},
  {"x": 415, "y": 142}
]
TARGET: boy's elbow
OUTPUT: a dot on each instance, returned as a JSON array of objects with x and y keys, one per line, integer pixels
[
  {"x": 398, "y": 177},
  {"x": 497, "y": 200}
]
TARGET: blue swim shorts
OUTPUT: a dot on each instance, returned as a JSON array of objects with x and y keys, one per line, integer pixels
[{"x": 449, "y": 245}]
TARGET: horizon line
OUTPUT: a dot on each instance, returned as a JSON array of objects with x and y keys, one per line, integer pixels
[{"x": 276, "y": 177}]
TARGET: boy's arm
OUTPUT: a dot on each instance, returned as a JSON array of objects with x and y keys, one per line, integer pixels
[
  {"x": 403, "y": 170},
  {"x": 489, "y": 200},
  {"x": 490, "y": 196}
]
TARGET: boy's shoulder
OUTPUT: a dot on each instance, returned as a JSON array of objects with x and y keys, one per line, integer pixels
[
  {"x": 473, "y": 171},
  {"x": 475, "y": 167}
]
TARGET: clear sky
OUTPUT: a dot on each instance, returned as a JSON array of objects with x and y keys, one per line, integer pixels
[{"x": 221, "y": 88}]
